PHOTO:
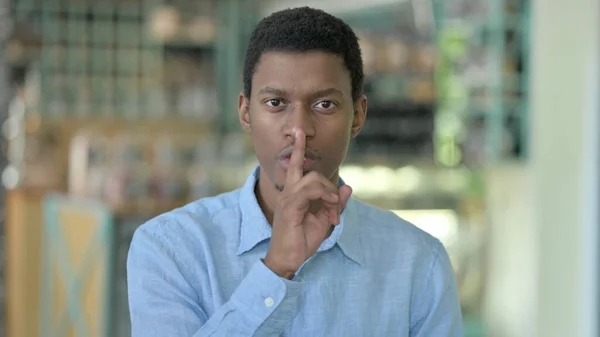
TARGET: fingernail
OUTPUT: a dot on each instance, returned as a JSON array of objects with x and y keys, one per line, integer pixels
[{"x": 296, "y": 133}]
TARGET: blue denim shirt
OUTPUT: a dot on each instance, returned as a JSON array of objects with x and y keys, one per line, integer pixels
[{"x": 197, "y": 271}]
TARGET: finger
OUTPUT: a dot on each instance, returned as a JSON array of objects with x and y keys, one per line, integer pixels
[
  {"x": 314, "y": 178},
  {"x": 326, "y": 182},
  {"x": 301, "y": 200},
  {"x": 334, "y": 213},
  {"x": 329, "y": 215},
  {"x": 295, "y": 169},
  {"x": 318, "y": 227},
  {"x": 330, "y": 210},
  {"x": 344, "y": 192}
]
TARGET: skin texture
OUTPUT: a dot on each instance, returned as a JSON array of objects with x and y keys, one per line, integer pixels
[{"x": 301, "y": 103}]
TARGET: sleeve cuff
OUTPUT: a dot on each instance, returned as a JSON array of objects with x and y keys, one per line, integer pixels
[{"x": 265, "y": 295}]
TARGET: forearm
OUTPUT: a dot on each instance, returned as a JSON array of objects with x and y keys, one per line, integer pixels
[{"x": 262, "y": 305}]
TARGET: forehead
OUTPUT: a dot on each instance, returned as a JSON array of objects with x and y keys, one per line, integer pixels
[{"x": 301, "y": 72}]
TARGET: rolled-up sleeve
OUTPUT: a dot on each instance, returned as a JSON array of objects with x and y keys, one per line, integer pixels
[{"x": 162, "y": 301}]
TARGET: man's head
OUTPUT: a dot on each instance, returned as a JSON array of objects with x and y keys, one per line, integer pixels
[{"x": 303, "y": 70}]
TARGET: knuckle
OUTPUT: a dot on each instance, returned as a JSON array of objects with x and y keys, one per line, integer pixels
[
  {"x": 313, "y": 187},
  {"x": 318, "y": 177},
  {"x": 305, "y": 190},
  {"x": 310, "y": 177},
  {"x": 283, "y": 201}
]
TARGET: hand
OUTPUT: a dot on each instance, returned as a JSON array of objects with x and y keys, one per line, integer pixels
[{"x": 307, "y": 208}]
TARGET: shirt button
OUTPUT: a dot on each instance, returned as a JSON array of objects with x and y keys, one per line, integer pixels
[{"x": 269, "y": 302}]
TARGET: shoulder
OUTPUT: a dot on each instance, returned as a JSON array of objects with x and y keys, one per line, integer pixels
[
  {"x": 191, "y": 225},
  {"x": 397, "y": 247},
  {"x": 384, "y": 226},
  {"x": 401, "y": 242}
]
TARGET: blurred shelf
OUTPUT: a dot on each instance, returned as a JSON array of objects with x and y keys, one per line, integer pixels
[
  {"x": 146, "y": 210},
  {"x": 184, "y": 43}
]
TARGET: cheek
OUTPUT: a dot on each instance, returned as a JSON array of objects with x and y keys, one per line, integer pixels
[
  {"x": 261, "y": 125},
  {"x": 264, "y": 141},
  {"x": 337, "y": 132},
  {"x": 264, "y": 122},
  {"x": 335, "y": 141},
  {"x": 259, "y": 140}
]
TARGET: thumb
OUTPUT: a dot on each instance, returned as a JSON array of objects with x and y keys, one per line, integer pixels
[{"x": 345, "y": 192}]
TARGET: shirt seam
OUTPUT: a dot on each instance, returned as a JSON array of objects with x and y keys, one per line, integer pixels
[{"x": 434, "y": 263}]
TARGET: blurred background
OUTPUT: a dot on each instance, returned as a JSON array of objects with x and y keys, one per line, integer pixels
[{"x": 482, "y": 130}]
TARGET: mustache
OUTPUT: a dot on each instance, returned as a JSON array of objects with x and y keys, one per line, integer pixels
[{"x": 308, "y": 153}]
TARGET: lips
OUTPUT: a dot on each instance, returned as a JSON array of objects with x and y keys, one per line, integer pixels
[
  {"x": 308, "y": 163},
  {"x": 311, "y": 157}
]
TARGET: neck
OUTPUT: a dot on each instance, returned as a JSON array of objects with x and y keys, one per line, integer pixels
[{"x": 267, "y": 194}]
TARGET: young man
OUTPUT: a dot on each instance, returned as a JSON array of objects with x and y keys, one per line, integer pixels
[{"x": 291, "y": 253}]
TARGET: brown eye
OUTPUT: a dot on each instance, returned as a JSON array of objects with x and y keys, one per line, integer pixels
[
  {"x": 275, "y": 103},
  {"x": 325, "y": 105}
]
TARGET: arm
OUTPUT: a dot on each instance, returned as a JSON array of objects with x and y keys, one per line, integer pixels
[
  {"x": 438, "y": 311},
  {"x": 163, "y": 303}
]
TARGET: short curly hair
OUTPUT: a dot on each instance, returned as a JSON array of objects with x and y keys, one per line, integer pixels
[{"x": 305, "y": 29}]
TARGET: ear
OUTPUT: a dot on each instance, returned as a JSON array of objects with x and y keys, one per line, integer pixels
[
  {"x": 244, "y": 111},
  {"x": 360, "y": 116}
]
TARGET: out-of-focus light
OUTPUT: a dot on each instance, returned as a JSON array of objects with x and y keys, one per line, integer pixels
[
  {"x": 379, "y": 179},
  {"x": 165, "y": 23},
  {"x": 453, "y": 180},
  {"x": 448, "y": 125},
  {"x": 10, "y": 128},
  {"x": 78, "y": 164},
  {"x": 353, "y": 175},
  {"x": 449, "y": 154},
  {"x": 370, "y": 182},
  {"x": 202, "y": 30},
  {"x": 409, "y": 179},
  {"x": 397, "y": 53},
  {"x": 17, "y": 108},
  {"x": 10, "y": 177},
  {"x": 33, "y": 123},
  {"x": 440, "y": 223}
]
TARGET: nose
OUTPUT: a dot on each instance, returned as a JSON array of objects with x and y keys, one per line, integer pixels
[{"x": 300, "y": 117}]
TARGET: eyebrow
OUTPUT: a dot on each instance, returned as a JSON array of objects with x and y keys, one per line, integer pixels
[
  {"x": 316, "y": 94},
  {"x": 271, "y": 90},
  {"x": 327, "y": 92}
]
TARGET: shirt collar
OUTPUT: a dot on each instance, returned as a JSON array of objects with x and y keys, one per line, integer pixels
[{"x": 255, "y": 227}]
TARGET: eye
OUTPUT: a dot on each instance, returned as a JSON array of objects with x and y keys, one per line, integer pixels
[
  {"x": 275, "y": 103},
  {"x": 325, "y": 105}
]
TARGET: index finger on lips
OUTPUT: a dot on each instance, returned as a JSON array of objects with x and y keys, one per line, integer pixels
[{"x": 295, "y": 170}]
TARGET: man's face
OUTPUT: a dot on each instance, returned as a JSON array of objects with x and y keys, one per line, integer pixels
[{"x": 309, "y": 91}]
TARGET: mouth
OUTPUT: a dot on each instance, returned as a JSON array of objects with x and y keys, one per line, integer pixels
[
  {"x": 307, "y": 166},
  {"x": 311, "y": 158}
]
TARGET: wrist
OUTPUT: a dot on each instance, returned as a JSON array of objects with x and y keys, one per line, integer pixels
[{"x": 278, "y": 270}]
